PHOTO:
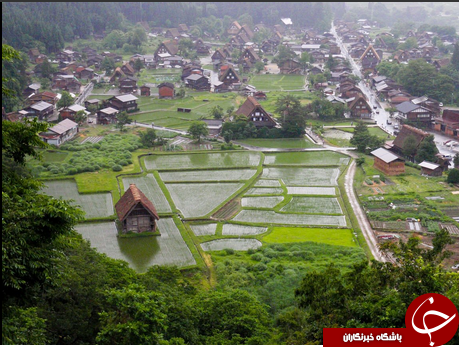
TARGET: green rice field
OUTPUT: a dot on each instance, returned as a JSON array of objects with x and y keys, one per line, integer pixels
[
  {"x": 319, "y": 158},
  {"x": 202, "y": 161},
  {"x": 300, "y": 176},
  {"x": 96, "y": 205},
  {"x": 278, "y": 143},
  {"x": 338, "y": 237},
  {"x": 204, "y": 229},
  {"x": 208, "y": 175},
  {"x": 311, "y": 190},
  {"x": 198, "y": 200},
  {"x": 264, "y": 191},
  {"x": 149, "y": 186},
  {"x": 307, "y": 204},
  {"x": 271, "y": 217},
  {"x": 261, "y": 202},
  {"x": 236, "y": 244},
  {"x": 140, "y": 252},
  {"x": 277, "y": 82},
  {"x": 242, "y": 230}
]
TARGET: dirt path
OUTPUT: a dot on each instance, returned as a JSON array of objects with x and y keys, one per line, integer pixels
[{"x": 360, "y": 214}]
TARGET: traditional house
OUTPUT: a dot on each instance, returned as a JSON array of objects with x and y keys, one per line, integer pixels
[
  {"x": 182, "y": 28},
  {"x": 40, "y": 109},
  {"x": 125, "y": 102},
  {"x": 135, "y": 212},
  {"x": 430, "y": 169},
  {"x": 33, "y": 54},
  {"x": 49, "y": 97},
  {"x": 128, "y": 85},
  {"x": 290, "y": 67},
  {"x": 198, "y": 82},
  {"x": 145, "y": 90},
  {"x": 369, "y": 60},
  {"x": 68, "y": 83},
  {"x": 234, "y": 28},
  {"x": 95, "y": 60},
  {"x": 70, "y": 112},
  {"x": 407, "y": 131},
  {"x": 128, "y": 69},
  {"x": 256, "y": 114},
  {"x": 31, "y": 89},
  {"x": 429, "y": 103},
  {"x": 409, "y": 111},
  {"x": 388, "y": 162},
  {"x": 84, "y": 73},
  {"x": 251, "y": 55},
  {"x": 214, "y": 126},
  {"x": 92, "y": 103},
  {"x": 166, "y": 90},
  {"x": 228, "y": 75},
  {"x": 60, "y": 133},
  {"x": 172, "y": 33},
  {"x": 166, "y": 49},
  {"x": 117, "y": 74},
  {"x": 190, "y": 69},
  {"x": 245, "y": 30},
  {"x": 448, "y": 123},
  {"x": 107, "y": 115},
  {"x": 219, "y": 55},
  {"x": 359, "y": 107}
]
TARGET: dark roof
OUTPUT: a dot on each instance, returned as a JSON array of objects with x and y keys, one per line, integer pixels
[
  {"x": 407, "y": 106},
  {"x": 130, "y": 199},
  {"x": 450, "y": 116},
  {"x": 406, "y": 131}
]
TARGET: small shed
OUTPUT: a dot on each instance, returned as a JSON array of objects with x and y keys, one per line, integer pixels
[
  {"x": 145, "y": 90},
  {"x": 166, "y": 90},
  {"x": 388, "y": 162},
  {"x": 135, "y": 212},
  {"x": 430, "y": 169}
]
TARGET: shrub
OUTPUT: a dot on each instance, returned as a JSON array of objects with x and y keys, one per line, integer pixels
[
  {"x": 229, "y": 251},
  {"x": 117, "y": 168},
  {"x": 453, "y": 176},
  {"x": 123, "y": 162},
  {"x": 257, "y": 257},
  {"x": 72, "y": 171},
  {"x": 368, "y": 181},
  {"x": 55, "y": 171}
]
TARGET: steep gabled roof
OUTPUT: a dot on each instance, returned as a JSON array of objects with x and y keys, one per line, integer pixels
[
  {"x": 406, "y": 131},
  {"x": 129, "y": 201}
]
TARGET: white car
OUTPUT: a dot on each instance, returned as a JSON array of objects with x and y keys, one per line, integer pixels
[{"x": 454, "y": 267}]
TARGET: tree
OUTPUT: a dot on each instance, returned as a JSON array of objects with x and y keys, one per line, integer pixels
[
  {"x": 107, "y": 65},
  {"x": 180, "y": 93},
  {"x": 391, "y": 110},
  {"x": 148, "y": 138},
  {"x": 228, "y": 136},
  {"x": 138, "y": 64},
  {"x": 453, "y": 176},
  {"x": 292, "y": 115},
  {"x": 456, "y": 160},
  {"x": 427, "y": 150},
  {"x": 455, "y": 57},
  {"x": 197, "y": 130},
  {"x": 409, "y": 146},
  {"x": 361, "y": 137},
  {"x": 374, "y": 294},
  {"x": 216, "y": 112},
  {"x": 80, "y": 117},
  {"x": 65, "y": 100},
  {"x": 122, "y": 120},
  {"x": 259, "y": 66}
]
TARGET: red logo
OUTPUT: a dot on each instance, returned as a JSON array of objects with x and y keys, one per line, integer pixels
[{"x": 432, "y": 319}]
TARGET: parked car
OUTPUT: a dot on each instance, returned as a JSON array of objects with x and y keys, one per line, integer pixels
[
  {"x": 455, "y": 267},
  {"x": 396, "y": 126},
  {"x": 388, "y": 122}
]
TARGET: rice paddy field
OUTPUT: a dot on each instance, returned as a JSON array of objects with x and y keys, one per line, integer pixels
[
  {"x": 202, "y": 161},
  {"x": 141, "y": 252},
  {"x": 277, "y": 82},
  {"x": 261, "y": 202},
  {"x": 97, "y": 205},
  {"x": 338, "y": 237},
  {"x": 235, "y": 244},
  {"x": 303, "y": 176},
  {"x": 208, "y": 175},
  {"x": 308, "y": 204},
  {"x": 311, "y": 191},
  {"x": 150, "y": 187},
  {"x": 319, "y": 158}
]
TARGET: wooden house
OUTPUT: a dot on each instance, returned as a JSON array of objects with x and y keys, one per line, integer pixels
[
  {"x": 406, "y": 131},
  {"x": 92, "y": 103},
  {"x": 255, "y": 113},
  {"x": 197, "y": 82},
  {"x": 388, "y": 162},
  {"x": 369, "y": 60},
  {"x": 359, "y": 107},
  {"x": 70, "y": 112},
  {"x": 290, "y": 67},
  {"x": 448, "y": 123},
  {"x": 49, "y": 97},
  {"x": 128, "y": 85},
  {"x": 135, "y": 212},
  {"x": 430, "y": 169},
  {"x": 60, "y": 133},
  {"x": 145, "y": 90},
  {"x": 214, "y": 126},
  {"x": 128, "y": 69},
  {"x": 41, "y": 110},
  {"x": 68, "y": 83},
  {"x": 234, "y": 28},
  {"x": 107, "y": 115},
  {"x": 125, "y": 102},
  {"x": 84, "y": 73},
  {"x": 166, "y": 49},
  {"x": 182, "y": 28},
  {"x": 416, "y": 113},
  {"x": 172, "y": 33},
  {"x": 245, "y": 30},
  {"x": 31, "y": 89},
  {"x": 166, "y": 90},
  {"x": 251, "y": 55},
  {"x": 219, "y": 55},
  {"x": 228, "y": 75}
]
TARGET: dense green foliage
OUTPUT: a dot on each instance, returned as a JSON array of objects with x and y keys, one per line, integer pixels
[{"x": 362, "y": 139}]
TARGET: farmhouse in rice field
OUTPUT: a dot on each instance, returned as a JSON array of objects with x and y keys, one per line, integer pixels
[{"x": 135, "y": 212}]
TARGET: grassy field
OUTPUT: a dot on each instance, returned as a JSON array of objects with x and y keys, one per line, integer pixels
[
  {"x": 338, "y": 237},
  {"x": 277, "y": 82}
]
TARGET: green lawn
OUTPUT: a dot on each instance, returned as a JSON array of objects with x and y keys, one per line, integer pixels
[
  {"x": 338, "y": 237},
  {"x": 277, "y": 82}
]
